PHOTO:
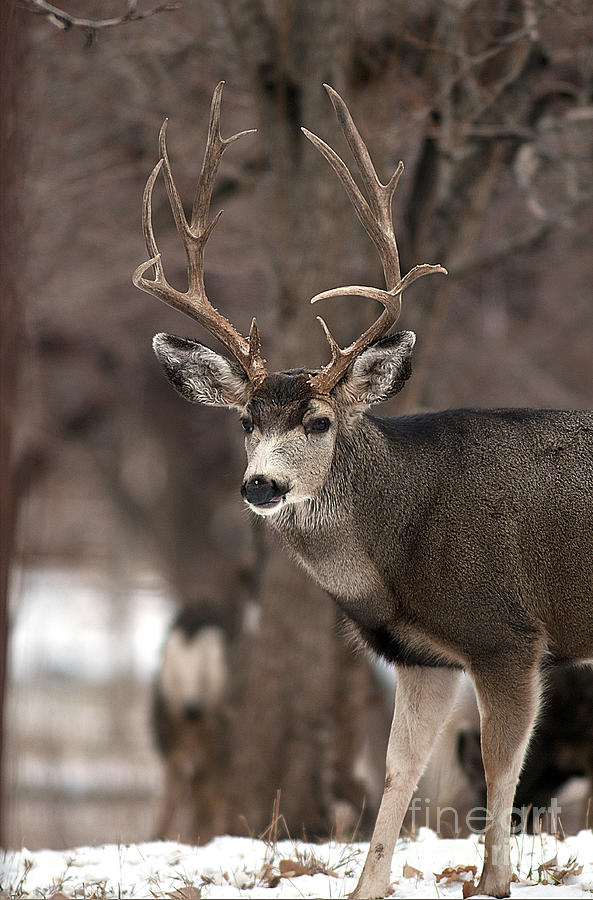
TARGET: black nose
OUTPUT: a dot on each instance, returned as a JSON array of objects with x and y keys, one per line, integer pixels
[
  {"x": 262, "y": 491},
  {"x": 193, "y": 711}
]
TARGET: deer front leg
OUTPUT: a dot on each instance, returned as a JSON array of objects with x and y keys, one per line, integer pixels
[
  {"x": 423, "y": 702},
  {"x": 169, "y": 804},
  {"x": 508, "y": 698}
]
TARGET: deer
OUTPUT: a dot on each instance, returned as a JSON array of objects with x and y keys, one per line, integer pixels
[
  {"x": 454, "y": 540},
  {"x": 189, "y": 718}
]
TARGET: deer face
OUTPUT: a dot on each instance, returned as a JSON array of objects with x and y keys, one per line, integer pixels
[
  {"x": 290, "y": 426},
  {"x": 292, "y": 419},
  {"x": 290, "y": 437}
]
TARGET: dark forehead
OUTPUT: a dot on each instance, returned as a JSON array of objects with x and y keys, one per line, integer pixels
[{"x": 282, "y": 399}]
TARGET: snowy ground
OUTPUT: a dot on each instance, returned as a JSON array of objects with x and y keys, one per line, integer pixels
[
  {"x": 78, "y": 646},
  {"x": 241, "y": 867}
]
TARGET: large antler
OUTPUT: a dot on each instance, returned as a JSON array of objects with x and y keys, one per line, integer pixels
[
  {"x": 194, "y": 235},
  {"x": 376, "y": 217}
]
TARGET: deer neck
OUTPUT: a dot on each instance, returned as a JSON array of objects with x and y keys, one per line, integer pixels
[{"x": 325, "y": 533}]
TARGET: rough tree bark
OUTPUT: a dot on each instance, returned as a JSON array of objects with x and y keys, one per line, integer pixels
[{"x": 11, "y": 49}]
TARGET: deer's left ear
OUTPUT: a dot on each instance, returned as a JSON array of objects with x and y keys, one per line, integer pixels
[{"x": 380, "y": 371}]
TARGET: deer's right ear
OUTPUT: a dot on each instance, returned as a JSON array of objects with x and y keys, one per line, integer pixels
[{"x": 201, "y": 375}]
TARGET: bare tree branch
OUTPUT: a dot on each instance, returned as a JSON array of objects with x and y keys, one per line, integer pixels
[
  {"x": 65, "y": 21},
  {"x": 482, "y": 261}
]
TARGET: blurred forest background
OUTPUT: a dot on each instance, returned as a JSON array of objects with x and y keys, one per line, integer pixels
[{"x": 124, "y": 501}]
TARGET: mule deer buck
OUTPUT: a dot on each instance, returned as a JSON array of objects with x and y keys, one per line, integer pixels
[{"x": 455, "y": 540}]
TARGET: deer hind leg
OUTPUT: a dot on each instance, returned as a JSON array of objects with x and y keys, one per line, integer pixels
[
  {"x": 508, "y": 698},
  {"x": 424, "y": 700}
]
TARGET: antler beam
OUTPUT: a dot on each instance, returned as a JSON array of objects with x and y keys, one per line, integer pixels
[
  {"x": 374, "y": 212},
  {"x": 194, "y": 302}
]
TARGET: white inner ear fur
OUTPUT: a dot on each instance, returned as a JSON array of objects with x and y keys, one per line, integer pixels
[
  {"x": 214, "y": 380},
  {"x": 374, "y": 373},
  {"x": 202, "y": 375}
]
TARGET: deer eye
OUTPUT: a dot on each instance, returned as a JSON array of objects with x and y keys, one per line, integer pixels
[
  {"x": 246, "y": 424},
  {"x": 318, "y": 425}
]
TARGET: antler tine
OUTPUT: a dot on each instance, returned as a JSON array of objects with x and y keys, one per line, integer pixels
[
  {"x": 385, "y": 297},
  {"x": 194, "y": 302},
  {"x": 380, "y": 195},
  {"x": 215, "y": 147},
  {"x": 376, "y": 217}
]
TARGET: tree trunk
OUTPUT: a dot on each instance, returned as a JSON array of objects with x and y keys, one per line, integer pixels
[
  {"x": 289, "y": 732},
  {"x": 11, "y": 46}
]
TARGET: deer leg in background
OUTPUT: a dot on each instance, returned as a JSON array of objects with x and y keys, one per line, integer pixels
[
  {"x": 508, "y": 698},
  {"x": 202, "y": 810},
  {"x": 424, "y": 699},
  {"x": 173, "y": 791},
  {"x": 588, "y": 818},
  {"x": 208, "y": 808}
]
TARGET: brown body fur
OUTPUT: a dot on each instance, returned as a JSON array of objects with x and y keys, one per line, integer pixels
[{"x": 461, "y": 554}]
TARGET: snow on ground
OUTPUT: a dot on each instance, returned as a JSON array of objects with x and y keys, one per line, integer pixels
[{"x": 230, "y": 867}]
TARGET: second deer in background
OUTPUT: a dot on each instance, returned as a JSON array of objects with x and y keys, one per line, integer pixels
[{"x": 189, "y": 721}]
